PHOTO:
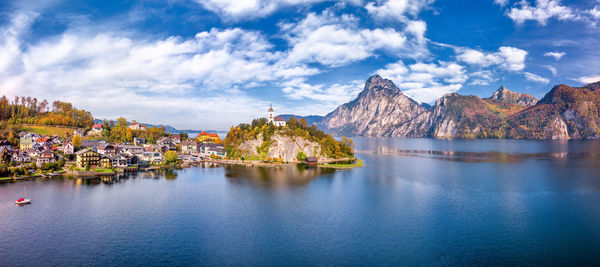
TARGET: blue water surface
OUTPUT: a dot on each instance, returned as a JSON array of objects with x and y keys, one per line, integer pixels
[{"x": 416, "y": 202}]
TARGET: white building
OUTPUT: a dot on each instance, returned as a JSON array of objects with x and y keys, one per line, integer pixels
[{"x": 276, "y": 120}]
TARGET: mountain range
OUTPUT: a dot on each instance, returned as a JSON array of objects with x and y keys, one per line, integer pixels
[{"x": 381, "y": 109}]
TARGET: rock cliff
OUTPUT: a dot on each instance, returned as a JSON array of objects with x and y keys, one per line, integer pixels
[{"x": 282, "y": 146}]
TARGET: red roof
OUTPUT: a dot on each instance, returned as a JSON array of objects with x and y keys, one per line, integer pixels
[
  {"x": 279, "y": 118},
  {"x": 42, "y": 139},
  {"x": 203, "y": 133},
  {"x": 97, "y": 126},
  {"x": 213, "y": 135}
]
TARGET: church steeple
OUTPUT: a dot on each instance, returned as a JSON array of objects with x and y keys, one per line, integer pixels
[{"x": 270, "y": 113}]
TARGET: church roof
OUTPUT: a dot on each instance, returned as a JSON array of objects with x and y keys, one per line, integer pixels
[{"x": 279, "y": 118}]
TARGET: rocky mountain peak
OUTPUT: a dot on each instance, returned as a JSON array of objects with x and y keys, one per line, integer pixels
[
  {"x": 505, "y": 95},
  {"x": 378, "y": 84}
]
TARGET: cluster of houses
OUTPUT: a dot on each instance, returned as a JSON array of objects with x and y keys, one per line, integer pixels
[
  {"x": 41, "y": 149},
  {"x": 34, "y": 148},
  {"x": 99, "y": 153}
]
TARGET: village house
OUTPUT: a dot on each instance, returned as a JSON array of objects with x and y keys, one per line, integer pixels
[
  {"x": 138, "y": 141},
  {"x": 176, "y": 138},
  {"x": 56, "y": 140},
  {"x": 87, "y": 157},
  {"x": 276, "y": 120},
  {"x": 21, "y": 156},
  {"x": 137, "y": 126},
  {"x": 68, "y": 148},
  {"x": 153, "y": 157},
  {"x": 46, "y": 156},
  {"x": 207, "y": 149},
  {"x": 189, "y": 147},
  {"x": 105, "y": 162},
  {"x": 120, "y": 161},
  {"x": 26, "y": 142},
  {"x": 205, "y": 137},
  {"x": 107, "y": 150},
  {"x": 92, "y": 144},
  {"x": 79, "y": 132},
  {"x": 133, "y": 149},
  {"x": 97, "y": 129}
]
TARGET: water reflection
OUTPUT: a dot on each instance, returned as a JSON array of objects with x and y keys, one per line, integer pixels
[
  {"x": 277, "y": 177},
  {"x": 490, "y": 156}
]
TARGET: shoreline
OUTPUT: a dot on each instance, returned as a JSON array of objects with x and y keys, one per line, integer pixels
[{"x": 250, "y": 164}]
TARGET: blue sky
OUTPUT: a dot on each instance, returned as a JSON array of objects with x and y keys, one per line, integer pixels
[{"x": 210, "y": 64}]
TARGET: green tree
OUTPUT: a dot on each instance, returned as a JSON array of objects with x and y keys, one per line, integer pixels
[
  {"x": 171, "y": 156},
  {"x": 301, "y": 156}
]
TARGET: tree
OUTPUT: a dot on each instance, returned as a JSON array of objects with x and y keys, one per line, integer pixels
[
  {"x": 171, "y": 156},
  {"x": 76, "y": 141},
  {"x": 301, "y": 156},
  {"x": 121, "y": 122}
]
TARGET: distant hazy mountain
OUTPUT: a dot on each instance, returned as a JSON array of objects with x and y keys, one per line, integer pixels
[
  {"x": 171, "y": 129},
  {"x": 311, "y": 119}
]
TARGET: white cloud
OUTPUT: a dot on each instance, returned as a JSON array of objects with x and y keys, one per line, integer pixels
[
  {"x": 540, "y": 12},
  {"x": 588, "y": 79},
  {"x": 501, "y": 2},
  {"x": 236, "y": 10},
  {"x": 396, "y": 9},
  {"x": 555, "y": 55},
  {"x": 508, "y": 58},
  {"x": 426, "y": 82},
  {"x": 551, "y": 69},
  {"x": 594, "y": 12},
  {"x": 332, "y": 95},
  {"x": 536, "y": 78},
  {"x": 334, "y": 40},
  {"x": 484, "y": 77},
  {"x": 175, "y": 80}
]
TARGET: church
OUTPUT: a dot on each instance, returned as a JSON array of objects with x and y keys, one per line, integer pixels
[{"x": 276, "y": 120}]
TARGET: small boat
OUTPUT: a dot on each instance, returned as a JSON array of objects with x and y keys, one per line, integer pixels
[{"x": 23, "y": 201}]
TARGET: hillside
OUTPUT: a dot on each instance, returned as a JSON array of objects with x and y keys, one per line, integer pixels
[
  {"x": 563, "y": 113},
  {"x": 262, "y": 140}
]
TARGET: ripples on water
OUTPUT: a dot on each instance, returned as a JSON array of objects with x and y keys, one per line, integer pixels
[{"x": 416, "y": 202}]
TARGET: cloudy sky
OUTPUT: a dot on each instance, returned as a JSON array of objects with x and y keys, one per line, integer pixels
[{"x": 209, "y": 64}]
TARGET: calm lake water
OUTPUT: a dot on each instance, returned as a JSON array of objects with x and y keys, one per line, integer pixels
[{"x": 416, "y": 202}]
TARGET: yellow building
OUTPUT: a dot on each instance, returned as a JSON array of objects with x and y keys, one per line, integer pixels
[
  {"x": 105, "y": 163},
  {"x": 203, "y": 137},
  {"x": 25, "y": 143},
  {"x": 87, "y": 157}
]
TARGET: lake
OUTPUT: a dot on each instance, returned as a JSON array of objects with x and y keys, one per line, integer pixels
[{"x": 416, "y": 202}]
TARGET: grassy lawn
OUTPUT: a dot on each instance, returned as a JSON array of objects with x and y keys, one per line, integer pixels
[
  {"x": 102, "y": 170},
  {"x": 359, "y": 163},
  {"x": 253, "y": 157},
  {"x": 48, "y": 130}
]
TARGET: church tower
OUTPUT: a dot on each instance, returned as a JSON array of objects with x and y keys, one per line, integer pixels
[{"x": 270, "y": 113}]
